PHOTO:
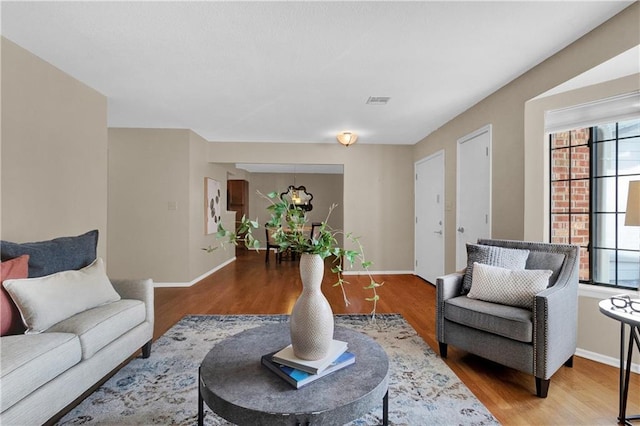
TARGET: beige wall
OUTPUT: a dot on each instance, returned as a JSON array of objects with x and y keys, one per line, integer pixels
[
  {"x": 378, "y": 190},
  {"x": 201, "y": 262},
  {"x": 325, "y": 188},
  {"x": 156, "y": 205},
  {"x": 504, "y": 110},
  {"x": 54, "y": 152}
]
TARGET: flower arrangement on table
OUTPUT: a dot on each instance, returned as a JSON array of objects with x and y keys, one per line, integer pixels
[{"x": 287, "y": 227}]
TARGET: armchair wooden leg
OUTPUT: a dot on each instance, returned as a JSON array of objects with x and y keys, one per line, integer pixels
[
  {"x": 569, "y": 362},
  {"x": 443, "y": 349},
  {"x": 146, "y": 350},
  {"x": 266, "y": 255},
  {"x": 542, "y": 387}
]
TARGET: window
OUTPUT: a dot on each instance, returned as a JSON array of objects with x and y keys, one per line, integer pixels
[{"x": 589, "y": 176}]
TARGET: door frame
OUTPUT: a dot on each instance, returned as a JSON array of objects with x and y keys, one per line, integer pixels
[
  {"x": 439, "y": 153},
  {"x": 484, "y": 129}
]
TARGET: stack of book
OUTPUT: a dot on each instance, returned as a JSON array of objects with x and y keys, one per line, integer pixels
[{"x": 299, "y": 372}]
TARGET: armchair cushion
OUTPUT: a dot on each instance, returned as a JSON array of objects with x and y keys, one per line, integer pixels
[
  {"x": 492, "y": 255},
  {"x": 506, "y": 286},
  {"x": 508, "y": 321}
]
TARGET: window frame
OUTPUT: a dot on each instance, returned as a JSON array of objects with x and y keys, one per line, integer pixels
[{"x": 594, "y": 190}]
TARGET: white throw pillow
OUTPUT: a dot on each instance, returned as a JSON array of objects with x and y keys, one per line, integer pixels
[
  {"x": 45, "y": 301},
  {"x": 492, "y": 255},
  {"x": 507, "y": 286}
]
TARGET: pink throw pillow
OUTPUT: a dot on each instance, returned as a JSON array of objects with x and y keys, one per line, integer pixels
[{"x": 10, "y": 319}]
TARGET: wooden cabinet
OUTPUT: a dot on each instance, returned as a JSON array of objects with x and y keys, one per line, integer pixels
[{"x": 238, "y": 198}]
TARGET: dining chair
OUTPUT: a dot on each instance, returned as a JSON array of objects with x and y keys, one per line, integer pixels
[
  {"x": 315, "y": 227},
  {"x": 271, "y": 245}
]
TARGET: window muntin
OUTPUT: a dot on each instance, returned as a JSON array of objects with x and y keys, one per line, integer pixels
[{"x": 589, "y": 177}]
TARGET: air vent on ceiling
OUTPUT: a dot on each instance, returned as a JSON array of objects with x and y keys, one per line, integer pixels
[{"x": 378, "y": 100}]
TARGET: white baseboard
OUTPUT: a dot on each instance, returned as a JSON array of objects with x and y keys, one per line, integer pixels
[
  {"x": 603, "y": 359},
  {"x": 378, "y": 272},
  {"x": 206, "y": 274},
  {"x": 196, "y": 280}
]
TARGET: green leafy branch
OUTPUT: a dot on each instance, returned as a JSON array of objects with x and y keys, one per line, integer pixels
[{"x": 287, "y": 229}]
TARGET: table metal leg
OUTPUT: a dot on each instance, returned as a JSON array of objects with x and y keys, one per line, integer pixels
[
  {"x": 635, "y": 335},
  {"x": 625, "y": 390},
  {"x": 625, "y": 372},
  {"x": 200, "y": 403},
  {"x": 385, "y": 409}
]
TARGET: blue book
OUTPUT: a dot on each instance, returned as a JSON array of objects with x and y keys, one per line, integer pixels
[{"x": 298, "y": 378}]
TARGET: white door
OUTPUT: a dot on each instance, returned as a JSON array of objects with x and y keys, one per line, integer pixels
[
  {"x": 429, "y": 205},
  {"x": 473, "y": 195}
]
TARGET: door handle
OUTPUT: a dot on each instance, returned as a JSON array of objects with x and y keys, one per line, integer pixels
[
  {"x": 461, "y": 230},
  {"x": 437, "y": 232}
]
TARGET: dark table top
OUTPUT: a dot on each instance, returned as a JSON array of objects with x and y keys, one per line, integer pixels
[{"x": 237, "y": 387}]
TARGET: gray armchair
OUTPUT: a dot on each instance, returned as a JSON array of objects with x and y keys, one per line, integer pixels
[{"x": 536, "y": 341}]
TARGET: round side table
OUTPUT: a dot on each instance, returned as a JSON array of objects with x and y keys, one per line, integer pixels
[
  {"x": 632, "y": 320},
  {"x": 237, "y": 387}
]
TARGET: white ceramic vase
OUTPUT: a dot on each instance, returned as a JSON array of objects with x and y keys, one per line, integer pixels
[{"x": 312, "y": 317}]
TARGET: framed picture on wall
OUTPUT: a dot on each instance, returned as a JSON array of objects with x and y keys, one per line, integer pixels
[{"x": 212, "y": 212}]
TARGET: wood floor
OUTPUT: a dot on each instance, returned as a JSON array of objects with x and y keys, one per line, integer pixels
[{"x": 586, "y": 394}]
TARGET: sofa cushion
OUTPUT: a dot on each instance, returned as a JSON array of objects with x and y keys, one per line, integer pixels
[
  {"x": 507, "y": 287},
  {"x": 492, "y": 255},
  {"x": 508, "y": 321},
  {"x": 29, "y": 361},
  {"x": 10, "y": 320},
  {"x": 45, "y": 301},
  {"x": 100, "y": 326},
  {"x": 59, "y": 254}
]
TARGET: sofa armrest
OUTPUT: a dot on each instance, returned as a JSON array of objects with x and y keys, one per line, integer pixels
[
  {"x": 137, "y": 290},
  {"x": 447, "y": 287}
]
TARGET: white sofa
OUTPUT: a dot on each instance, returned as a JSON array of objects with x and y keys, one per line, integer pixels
[{"x": 43, "y": 373}]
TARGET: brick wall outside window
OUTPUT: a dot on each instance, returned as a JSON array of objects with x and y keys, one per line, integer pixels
[{"x": 570, "y": 192}]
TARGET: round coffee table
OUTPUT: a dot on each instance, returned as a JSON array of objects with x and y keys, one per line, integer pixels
[{"x": 237, "y": 387}]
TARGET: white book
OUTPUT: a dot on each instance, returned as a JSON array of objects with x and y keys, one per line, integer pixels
[
  {"x": 286, "y": 357},
  {"x": 298, "y": 378}
]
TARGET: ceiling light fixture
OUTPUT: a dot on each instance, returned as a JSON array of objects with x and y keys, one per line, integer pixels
[{"x": 347, "y": 138}]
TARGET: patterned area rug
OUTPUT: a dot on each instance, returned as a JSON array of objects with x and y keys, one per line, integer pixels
[{"x": 163, "y": 388}]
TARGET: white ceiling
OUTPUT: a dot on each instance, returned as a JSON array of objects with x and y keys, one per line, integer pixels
[{"x": 297, "y": 71}]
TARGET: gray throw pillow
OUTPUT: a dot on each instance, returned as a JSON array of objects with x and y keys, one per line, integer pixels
[
  {"x": 494, "y": 256},
  {"x": 59, "y": 254},
  {"x": 546, "y": 260},
  {"x": 506, "y": 286}
]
